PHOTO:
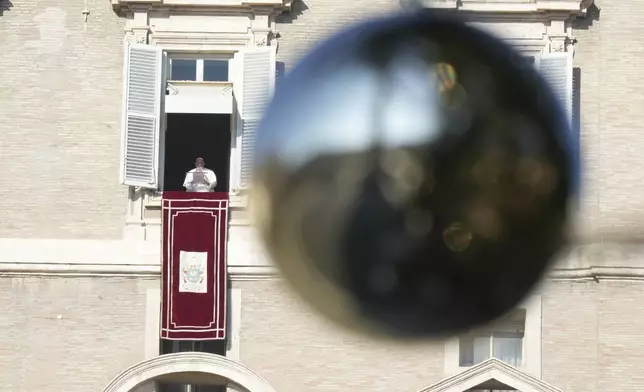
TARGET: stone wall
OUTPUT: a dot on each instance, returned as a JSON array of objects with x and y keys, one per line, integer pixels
[
  {"x": 592, "y": 340},
  {"x": 70, "y": 334},
  {"x": 60, "y": 111},
  {"x": 611, "y": 98}
]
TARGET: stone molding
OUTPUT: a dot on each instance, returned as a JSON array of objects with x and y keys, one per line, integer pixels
[
  {"x": 570, "y": 7},
  {"x": 256, "y": 15},
  {"x": 598, "y": 273},
  {"x": 248, "y": 261},
  {"x": 186, "y": 40},
  {"x": 489, "y": 370},
  {"x": 554, "y": 16},
  {"x": 50, "y": 257},
  {"x": 224, "y": 5},
  {"x": 238, "y": 374},
  {"x": 266, "y": 272},
  {"x": 235, "y": 273},
  {"x": 136, "y": 36}
]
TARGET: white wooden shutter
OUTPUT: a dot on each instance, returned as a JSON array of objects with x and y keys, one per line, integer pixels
[
  {"x": 576, "y": 101},
  {"x": 556, "y": 69},
  {"x": 143, "y": 99},
  {"x": 257, "y": 84},
  {"x": 280, "y": 72},
  {"x": 234, "y": 67}
]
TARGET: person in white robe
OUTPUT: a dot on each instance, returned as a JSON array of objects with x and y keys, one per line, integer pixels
[{"x": 200, "y": 179}]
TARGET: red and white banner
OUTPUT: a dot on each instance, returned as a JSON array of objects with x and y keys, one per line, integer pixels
[{"x": 195, "y": 227}]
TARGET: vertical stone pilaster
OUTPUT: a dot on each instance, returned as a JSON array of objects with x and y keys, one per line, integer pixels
[
  {"x": 138, "y": 27},
  {"x": 261, "y": 26},
  {"x": 558, "y": 36}
]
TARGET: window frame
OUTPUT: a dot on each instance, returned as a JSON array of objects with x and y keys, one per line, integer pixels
[
  {"x": 233, "y": 176},
  {"x": 235, "y": 56},
  {"x": 531, "y": 350},
  {"x": 236, "y": 79},
  {"x": 199, "y": 57},
  {"x": 488, "y": 334}
]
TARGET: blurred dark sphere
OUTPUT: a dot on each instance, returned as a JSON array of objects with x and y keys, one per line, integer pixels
[{"x": 413, "y": 177}]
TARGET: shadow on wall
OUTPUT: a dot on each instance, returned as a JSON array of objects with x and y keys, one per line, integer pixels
[
  {"x": 592, "y": 15},
  {"x": 5, "y": 5},
  {"x": 297, "y": 8}
]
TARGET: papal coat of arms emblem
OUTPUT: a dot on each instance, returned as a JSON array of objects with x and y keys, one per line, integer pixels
[{"x": 193, "y": 272}]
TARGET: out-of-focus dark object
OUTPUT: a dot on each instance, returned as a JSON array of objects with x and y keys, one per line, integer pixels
[{"x": 413, "y": 177}]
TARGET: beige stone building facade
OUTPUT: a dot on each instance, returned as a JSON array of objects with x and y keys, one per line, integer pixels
[{"x": 80, "y": 262}]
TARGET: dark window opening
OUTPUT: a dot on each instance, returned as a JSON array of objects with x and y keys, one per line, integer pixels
[
  {"x": 202, "y": 346},
  {"x": 177, "y": 346},
  {"x": 215, "y": 70},
  {"x": 529, "y": 60},
  {"x": 576, "y": 120},
  {"x": 183, "y": 70},
  {"x": 189, "y": 136}
]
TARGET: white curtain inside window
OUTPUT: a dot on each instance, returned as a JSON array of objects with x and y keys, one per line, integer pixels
[
  {"x": 481, "y": 349},
  {"x": 508, "y": 347}
]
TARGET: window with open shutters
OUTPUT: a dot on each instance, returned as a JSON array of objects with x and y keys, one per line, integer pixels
[
  {"x": 143, "y": 99},
  {"x": 253, "y": 73}
]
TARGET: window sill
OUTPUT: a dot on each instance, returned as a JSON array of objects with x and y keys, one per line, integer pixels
[
  {"x": 463, "y": 368},
  {"x": 236, "y": 200},
  {"x": 193, "y": 82}
]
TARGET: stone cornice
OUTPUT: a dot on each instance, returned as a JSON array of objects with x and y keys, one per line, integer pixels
[
  {"x": 598, "y": 273},
  {"x": 79, "y": 270},
  {"x": 211, "y": 5},
  {"x": 573, "y": 7},
  {"x": 236, "y": 273},
  {"x": 177, "y": 40},
  {"x": 267, "y": 272},
  {"x": 248, "y": 261}
]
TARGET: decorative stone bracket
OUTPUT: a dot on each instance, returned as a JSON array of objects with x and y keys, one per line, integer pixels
[{"x": 136, "y": 35}]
